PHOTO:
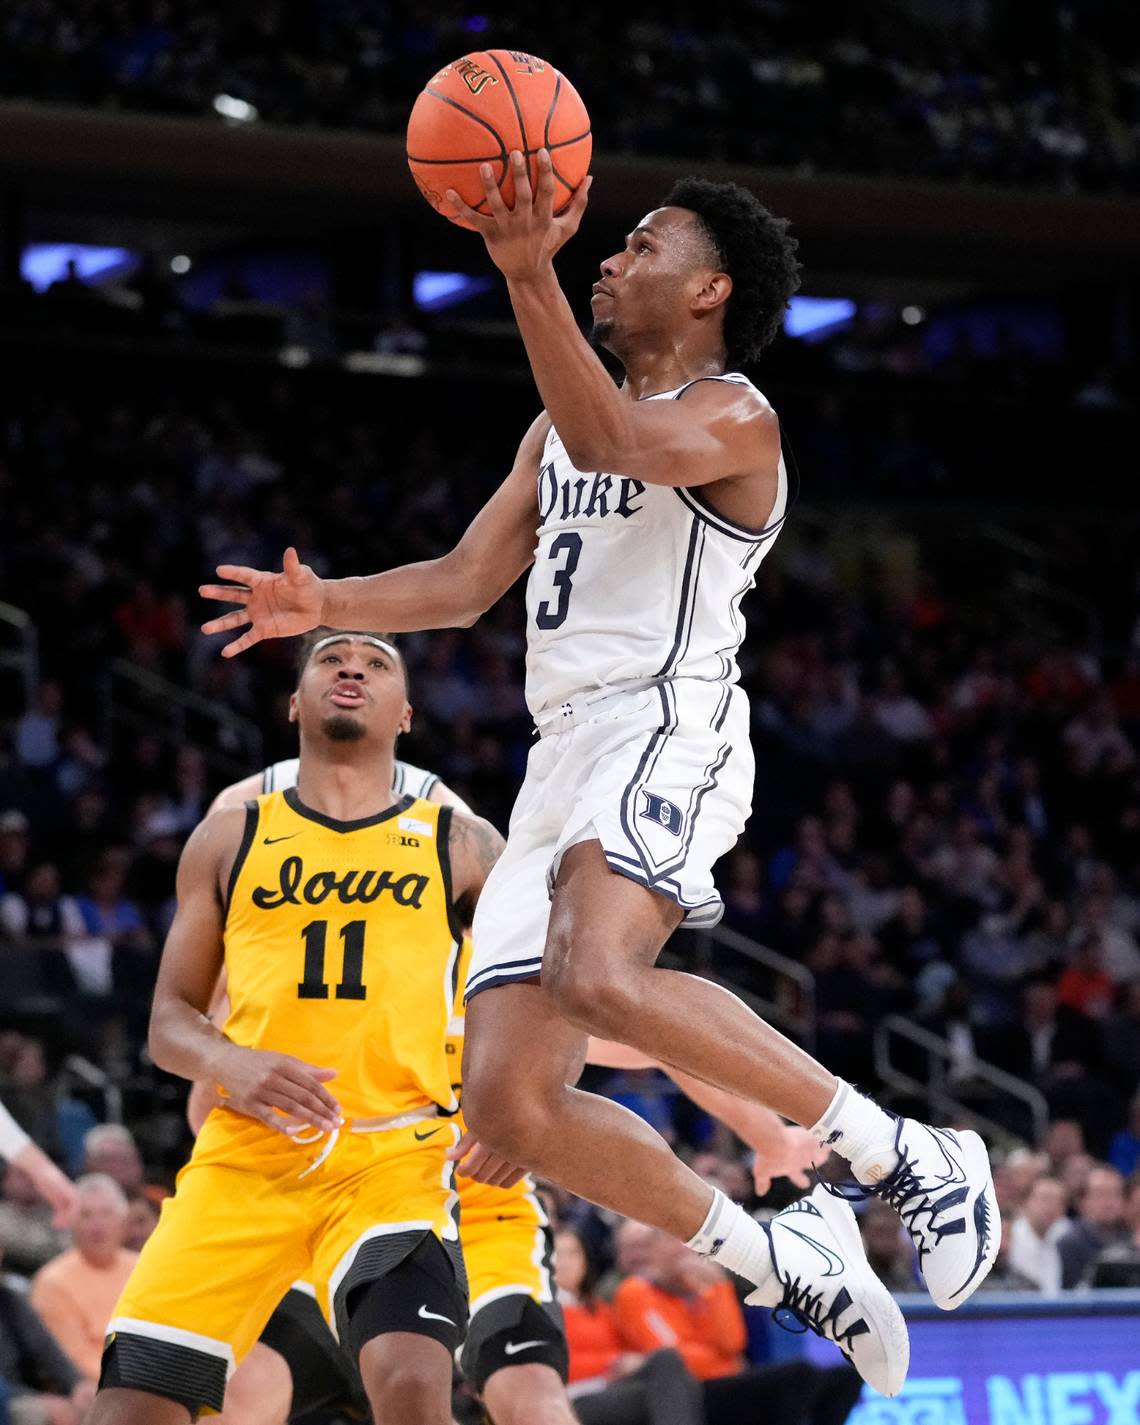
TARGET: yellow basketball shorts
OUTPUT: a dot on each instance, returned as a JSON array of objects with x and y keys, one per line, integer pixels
[
  {"x": 255, "y": 1211},
  {"x": 509, "y": 1250}
]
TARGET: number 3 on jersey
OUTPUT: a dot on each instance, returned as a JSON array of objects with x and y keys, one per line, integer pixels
[{"x": 569, "y": 545}]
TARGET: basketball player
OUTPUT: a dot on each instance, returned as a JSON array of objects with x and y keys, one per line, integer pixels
[
  {"x": 336, "y": 908},
  {"x": 645, "y": 510},
  {"x": 515, "y": 1353}
]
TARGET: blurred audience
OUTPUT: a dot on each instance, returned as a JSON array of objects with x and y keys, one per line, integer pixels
[{"x": 75, "y": 1294}]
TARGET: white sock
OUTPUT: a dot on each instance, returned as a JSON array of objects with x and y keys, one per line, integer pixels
[
  {"x": 734, "y": 1240},
  {"x": 858, "y": 1128}
]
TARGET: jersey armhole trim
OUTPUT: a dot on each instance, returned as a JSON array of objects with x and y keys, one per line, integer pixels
[
  {"x": 249, "y": 831},
  {"x": 701, "y": 507},
  {"x": 443, "y": 846}
]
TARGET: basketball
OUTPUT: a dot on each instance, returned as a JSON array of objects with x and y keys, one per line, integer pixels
[{"x": 477, "y": 109}]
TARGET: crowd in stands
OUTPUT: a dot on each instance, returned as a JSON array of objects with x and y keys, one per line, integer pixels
[{"x": 1046, "y": 96}]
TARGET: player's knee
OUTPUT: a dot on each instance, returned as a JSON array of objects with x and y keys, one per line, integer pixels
[
  {"x": 528, "y": 1395},
  {"x": 592, "y": 995},
  {"x": 506, "y": 1115},
  {"x": 413, "y": 1391}
]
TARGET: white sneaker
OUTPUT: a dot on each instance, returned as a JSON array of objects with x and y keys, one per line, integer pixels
[
  {"x": 943, "y": 1190},
  {"x": 821, "y": 1278}
]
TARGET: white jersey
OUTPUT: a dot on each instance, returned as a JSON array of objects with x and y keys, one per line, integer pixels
[
  {"x": 406, "y": 781},
  {"x": 634, "y": 583}
]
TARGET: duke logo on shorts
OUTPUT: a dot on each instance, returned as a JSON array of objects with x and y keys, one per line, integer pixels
[{"x": 633, "y": 626}]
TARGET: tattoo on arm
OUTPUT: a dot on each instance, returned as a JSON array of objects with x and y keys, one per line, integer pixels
[{"x": 475, "y": 847}]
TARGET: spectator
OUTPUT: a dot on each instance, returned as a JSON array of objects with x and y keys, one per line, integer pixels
[
  {"x": 688, "y": 1304},
  {"x": 1124, "y": 1150},
  {"x": 685, "y": 1303},
  {"x": 76, "y": 1293},
  {"x": 1121, "y": 1040},
  {"x": 1099, "y": 1224},
  {"x": 110, "y": 1149},
  {"x": 609, "y": 1384},
  {"x": 142, "y": 1219},
  {"x": 38, "y": 731},
  {"x": 1035, "y": 1233},
  {"x": 1086, "y": 987},
  {"x": 44, "y": 1386},
  {"x": 14, "y": 848},
  {"x": 28, "y": 1236},
  {"x": 49, "y": 926}
]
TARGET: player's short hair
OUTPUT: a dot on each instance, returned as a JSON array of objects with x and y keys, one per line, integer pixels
[
  {"x": 756, "y": 250},
  {"x": 310, "y": 640}
]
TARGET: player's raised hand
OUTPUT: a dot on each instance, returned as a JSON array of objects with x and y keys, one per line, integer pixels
[
  {"x": 280, "y": 1091},
  {"x": 791, "y": 1154},
  {"x": 472, "y": 1160},
  {"x": 523, "y": 240},
  {"x": 273, "y": 605}
]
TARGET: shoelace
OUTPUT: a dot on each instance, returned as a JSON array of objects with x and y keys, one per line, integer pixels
[
  {"x": 805, "y": 1307},
  {"x": 903, "y": 1189}
]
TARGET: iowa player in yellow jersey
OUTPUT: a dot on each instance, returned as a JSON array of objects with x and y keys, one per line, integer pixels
[{"x": 336, "y": 909}]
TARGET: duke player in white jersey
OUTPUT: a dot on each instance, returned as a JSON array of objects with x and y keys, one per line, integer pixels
[{"x": 644, "y": 510}]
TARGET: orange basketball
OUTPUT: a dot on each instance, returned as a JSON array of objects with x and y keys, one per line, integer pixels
[{"x": 479, "y": 108}]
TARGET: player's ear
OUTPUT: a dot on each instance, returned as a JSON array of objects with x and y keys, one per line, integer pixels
[
  {"x": 406, "y": 719},
  {"x": 713, "y": 292},
  {"x": 292, "y": 707}
]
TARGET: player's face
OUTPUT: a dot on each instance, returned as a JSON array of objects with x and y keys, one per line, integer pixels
[
  {"x": 352, "y": 691},
  {"x": 648, "y": 289}
]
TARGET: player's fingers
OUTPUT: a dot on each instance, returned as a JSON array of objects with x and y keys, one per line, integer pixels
[
  {"x": 239, "y": 645},
  {"x": 492, "y": 192},
  {"x": 301, "y": 1105},
  {"x": 544, "y": 204},
  {"x": 575, "y": 209},
  {"x": 797, "y": 1176},
  {"x": 224, "y": 593},
  {"x": 460, "y": 1150},
  {"x": 299, "y": 1076},
  {"x": 291, "y": 565},
  {"x": 479, "y": 221},
  {"x": 280, "y": 1122},
  {"x": 520, "y": 172},
  {"x": 239, "y": 573},
  {"x": 224, "y": 622},
  {"x": 316, "y": 1071}
]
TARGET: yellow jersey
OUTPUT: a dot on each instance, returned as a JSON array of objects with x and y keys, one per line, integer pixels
[{"x": 342, "y": 948}]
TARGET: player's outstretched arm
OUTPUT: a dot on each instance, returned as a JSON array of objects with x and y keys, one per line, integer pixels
[
  {"x": 279, "y": 1090},
  {"x": 449, "y": 592},
  {"x": 782, "y": 1150}
]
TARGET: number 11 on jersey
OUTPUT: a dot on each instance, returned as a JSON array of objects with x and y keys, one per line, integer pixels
[{"x": 570, "y": 546}]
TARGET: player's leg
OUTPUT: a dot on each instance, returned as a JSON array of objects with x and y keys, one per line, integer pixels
[
  {"x": 525, "y": 1107},
  {"x": 407, "y": 1378},
  {"x": 389, "y": 1269},
  {"x": 226, "y": 1248},
  {"x": 515, "y": 1354},
  {"x": 528, "y": 1395},
  {"x": 260, "y": 1391}
]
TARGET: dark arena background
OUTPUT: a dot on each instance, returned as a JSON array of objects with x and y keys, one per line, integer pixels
[{"x": 228, "y": 323}]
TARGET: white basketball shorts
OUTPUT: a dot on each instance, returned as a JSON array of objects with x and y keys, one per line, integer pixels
[{"x": 661, "y": 776}]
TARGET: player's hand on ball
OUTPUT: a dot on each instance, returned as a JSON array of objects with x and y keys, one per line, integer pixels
[
  {"x": 792, "y": 1154},
  {"x": 522, "y": 240},
  {"x": 472, "y": 1160},
  {"x": 280, "y": 1091},
  {"x": 273, "y": 605}
]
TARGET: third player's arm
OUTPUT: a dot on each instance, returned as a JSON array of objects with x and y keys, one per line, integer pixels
[
  {"x": 448, "y": 592},
  {"x": 474, "y": 848}
]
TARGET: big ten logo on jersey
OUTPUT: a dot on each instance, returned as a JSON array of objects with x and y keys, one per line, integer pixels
[
  {"x": 586, "y": 497},
  {"x": 474, "y": 76},
  {"x": 349, "y": 887},
  {"x": 526, "y": 63}
]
